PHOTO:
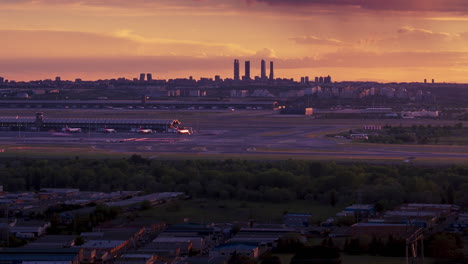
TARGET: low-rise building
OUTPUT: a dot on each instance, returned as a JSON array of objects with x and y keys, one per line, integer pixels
[
  {"x": 136, "y": 259},
  {"x": 61, "y": 191},
  {"x": 105, "y": 249},
  {"x": 227, "y": 250},
  {"x": 360, "y": 211},
  {"x": 173, "y": 246},
  {"x": 381, "y": 229},
  {"x": 53, "y": 241},
  {"x": 41, "y": 255},
  {"x": 297, "y": 220},
  {"x": 29, "y": 229}
]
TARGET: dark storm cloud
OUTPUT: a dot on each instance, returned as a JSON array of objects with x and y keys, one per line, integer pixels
[{"x": 393, "y": 5}]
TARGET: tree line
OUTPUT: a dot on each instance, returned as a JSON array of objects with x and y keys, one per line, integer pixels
[
  {"x": 416, "y": 134},
  {"x": 269, "y": 181}
]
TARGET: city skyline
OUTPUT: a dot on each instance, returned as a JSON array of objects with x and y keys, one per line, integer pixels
[{"x": 354, "y": 40}]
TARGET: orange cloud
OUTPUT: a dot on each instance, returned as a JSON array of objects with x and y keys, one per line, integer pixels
[
  {"x": 43, "y": 43},
  {"x": 313, "y": 40}
]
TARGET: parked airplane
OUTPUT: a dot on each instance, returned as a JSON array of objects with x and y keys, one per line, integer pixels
[
  {"x": 109, "y": 130},
  {"x": 184, "y": 131},
  {"x": 71, "y": 129},
  {"x": 145, "y": 131}
]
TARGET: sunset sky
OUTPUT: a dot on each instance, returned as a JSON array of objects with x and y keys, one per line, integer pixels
[{"x": 355, "y": 40}]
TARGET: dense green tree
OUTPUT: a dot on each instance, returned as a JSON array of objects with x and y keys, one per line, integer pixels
[
  {"x": 445, "y": 245},
  {"x": 327, "y": 182}
]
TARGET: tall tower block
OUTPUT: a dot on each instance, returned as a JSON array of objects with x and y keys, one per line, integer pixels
[
  {"x": 247, "y": 70},
  {"x": 272, "y": 75},
  {"x": 236, "y": 70},
  {"x": 263, "y": 71}
]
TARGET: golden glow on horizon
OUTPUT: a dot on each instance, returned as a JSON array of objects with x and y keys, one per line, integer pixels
[{"x": 109, "y": 39}]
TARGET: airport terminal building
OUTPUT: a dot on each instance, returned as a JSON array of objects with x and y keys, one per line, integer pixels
[{"x": 39, "y": 123}]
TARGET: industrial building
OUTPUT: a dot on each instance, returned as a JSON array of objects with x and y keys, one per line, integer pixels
[{"x": 39, "y": 123}]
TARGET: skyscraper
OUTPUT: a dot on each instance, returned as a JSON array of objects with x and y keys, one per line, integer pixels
[
  {"x": 142, "y": 77},
  {"x": 149, "y": 77},
  {"x": 272, "y": 75},
  {"x": 236, "y": 70},
  {"x": 247, "y": 70},
  {"x": 263, "y": 71}
]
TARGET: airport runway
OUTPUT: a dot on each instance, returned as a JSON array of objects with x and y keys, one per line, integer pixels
[
  {"x": 237, "y": 134},
  {"x": 235, "y": 142}
]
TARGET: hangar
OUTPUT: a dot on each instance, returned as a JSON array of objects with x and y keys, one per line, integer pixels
[{"x": 39, "y": 123}]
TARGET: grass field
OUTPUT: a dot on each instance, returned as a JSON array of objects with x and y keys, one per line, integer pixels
[
  {"x": 57, "y": 151},
  {"x": 82, "y": 151},
  {"x": 208, "y": 211}
]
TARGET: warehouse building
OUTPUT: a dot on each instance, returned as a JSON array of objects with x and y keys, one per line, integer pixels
[{"x": 39, "y": 123}]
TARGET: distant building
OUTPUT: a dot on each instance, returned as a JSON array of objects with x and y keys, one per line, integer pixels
[
  {"x": 236, "y": 70},
  {"x": 360, "y": 211},
  {"x": 41, "y": 255},
  {"x": 38, "y": 91},
  {"x": 424, "y": 113},
  {"x": 1, "y": 79},
  {"x": 104, "y": 250},
  {"x": 58, "y": 79},
  {"x": 136, "y": 259},
  {"x": 142, "y": 77},
  {"x": 297, "y": 111},
  {"x": 22, "y": 95},
  {"x": 53, "y": 241},
  {"x": 239, "y": 93},
  {"x": 227, "y": 250},
  {"x": 247, "y": 70},
  {"x": 372, "y": 127},
  {"x": 263, "y": 70},
  {"x": 272, "y": 74},
  {"x": 381, "y": 229},
  {"x": 149, "y": 77},
  {"x": 297, "y": 220},
  {"x": 29, "y": 229},
  {"x": 60, "y": 191}
]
